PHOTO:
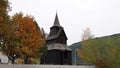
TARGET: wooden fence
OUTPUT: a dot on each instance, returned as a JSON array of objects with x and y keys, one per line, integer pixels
[{"x": 42, "y": 66}]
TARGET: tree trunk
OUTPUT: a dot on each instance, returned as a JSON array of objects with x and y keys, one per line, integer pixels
[
  {"x": 13, "y": 60},
  {"x": 27, "y": 60}
]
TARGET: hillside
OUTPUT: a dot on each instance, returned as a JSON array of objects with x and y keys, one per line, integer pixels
[
  {"x": 102, "y": 47},
  {"x": 75, "y": 58}
]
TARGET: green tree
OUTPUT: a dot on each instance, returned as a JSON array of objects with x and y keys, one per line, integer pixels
[
  {"x": 6, "y": 34},
  {"x": 4, "y": 18},
  {"x": 4, "y": 5}
]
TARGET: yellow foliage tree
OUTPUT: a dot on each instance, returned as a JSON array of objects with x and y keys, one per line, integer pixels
[{"x": 29, "y": 33}]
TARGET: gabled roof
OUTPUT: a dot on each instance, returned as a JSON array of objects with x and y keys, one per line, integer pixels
[{"x": 55, "y": 36}]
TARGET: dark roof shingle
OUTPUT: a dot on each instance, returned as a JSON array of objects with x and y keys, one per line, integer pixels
[{"x": 58, "y": 46}]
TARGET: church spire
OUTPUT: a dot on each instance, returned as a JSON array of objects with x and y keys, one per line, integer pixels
[{"x": 56, "y": 22}]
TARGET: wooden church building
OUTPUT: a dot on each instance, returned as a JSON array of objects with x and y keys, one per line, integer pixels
[{"x": 58, "y": 52}]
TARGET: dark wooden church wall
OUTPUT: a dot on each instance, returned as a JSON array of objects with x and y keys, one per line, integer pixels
[
  {"x": 69, "y": 60},
  {"x": 52, "y": 57},
  {"x": 66, "y": 58}
]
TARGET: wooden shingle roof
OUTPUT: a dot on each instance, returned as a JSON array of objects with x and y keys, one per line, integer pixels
[
  {"x": 54, "y": 36},
  {"x": 58, "y": 46}
]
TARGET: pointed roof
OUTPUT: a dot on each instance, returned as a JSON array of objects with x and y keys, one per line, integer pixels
[
  {"x": 54, "y": 36},
  {"x": 56, "y": 22}
]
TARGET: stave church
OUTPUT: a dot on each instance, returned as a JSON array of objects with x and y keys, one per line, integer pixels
[{"x": 58, "y": 53}]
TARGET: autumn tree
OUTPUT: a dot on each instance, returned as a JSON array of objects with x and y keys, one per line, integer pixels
[
  {"x": 19, "y": 36},
  {"x": 29, "y": 33},
  {"x": 4, "y": 18},
  {"x": 4, "y": 5},
  {"x": 86, "y": 35},
  {"x": 7, "y": 36},
  {"x": 12, "y": 46},
  {"x": 4, "y": 8}
]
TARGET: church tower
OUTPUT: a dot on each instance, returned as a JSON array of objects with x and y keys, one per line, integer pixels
[
  {"x": 57, "y": 34},
  {"x": 58, "y": 52}
]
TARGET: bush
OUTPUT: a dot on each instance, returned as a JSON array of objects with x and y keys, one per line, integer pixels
[{"x": 103, "y": 63}]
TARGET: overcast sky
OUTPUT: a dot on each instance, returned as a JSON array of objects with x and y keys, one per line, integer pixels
[{"x": 101, "y": 16}]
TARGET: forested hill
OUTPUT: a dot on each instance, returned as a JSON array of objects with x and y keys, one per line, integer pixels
[
  {"x": 78, "y": 44},
  {"x": 100, "y": 47},
  {"x": 111, "y": 36},
  {"x": 75, "y": 58}
]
